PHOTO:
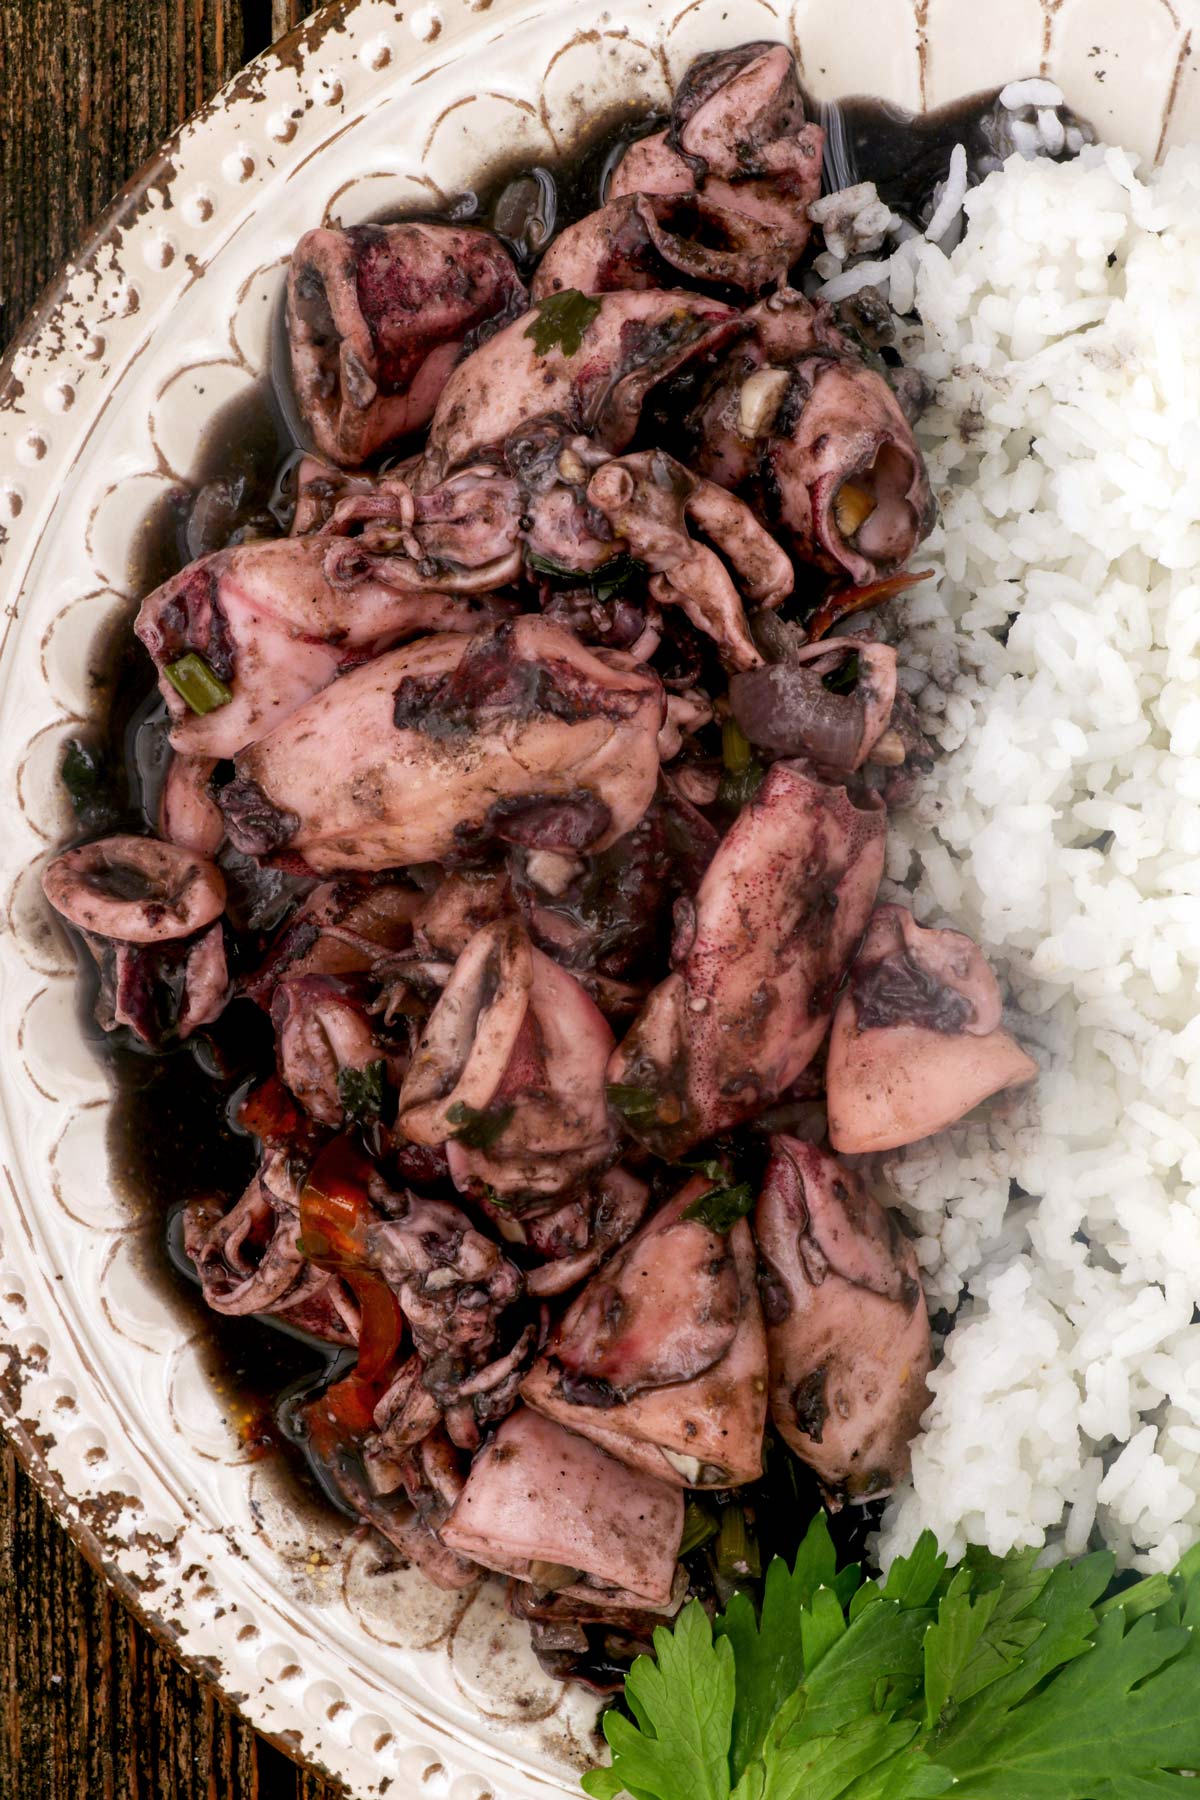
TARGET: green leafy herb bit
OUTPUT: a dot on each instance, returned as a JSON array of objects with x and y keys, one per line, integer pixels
[
  {"x": 610, "y": 579},
  {"x": 556, "y": 571},
  {"x": 617, "y": 574},
  {"x": 722, "y": 1207},
  {"x": 478, "y": 1128},
  {"x": 843, "y": 679},
  {"x": 682, "y": 1700},
  {"x": 361, "y": 1092},
  {"x": 632, "y": 1102},
  {"x": 707, "y": 1165},
  {"x": 994, "y": 1680},
  {"x": 194, "y": 681},
  {"x": 698, "y": 1527},
  {"x": 560, "y": 321}
]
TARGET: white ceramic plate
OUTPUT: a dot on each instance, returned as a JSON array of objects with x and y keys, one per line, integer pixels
[{"x": 164, "y": 319}]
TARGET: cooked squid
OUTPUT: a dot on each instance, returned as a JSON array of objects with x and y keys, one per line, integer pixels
[
  {"x": 244, "y": 637},
  {"x": 737, "y": 136},
  {"x": 377, "y": 316},
  {"x": 520, "y": 816},
  {"x": 758, "y": 957},
  {"x": 519, "y": 734},
  {"x": 662, "y": 1358},
  {"x": 509, "y": 1073},
  {"x": 847, "y": 1325},
  {"x": 648, "y": 500},
  {"x": 917, "y": 1039},
  {"x": 554, "y": 1510},
  {"x": 817, "y": 441}
]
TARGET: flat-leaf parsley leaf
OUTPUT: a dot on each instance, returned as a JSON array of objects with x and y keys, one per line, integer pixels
[
  {"x": 560, "y": 321},
  {"x": 995, "y": 1680}
]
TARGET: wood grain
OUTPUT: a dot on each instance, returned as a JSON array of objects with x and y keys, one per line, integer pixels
[{"x": 92, "y": 1707}]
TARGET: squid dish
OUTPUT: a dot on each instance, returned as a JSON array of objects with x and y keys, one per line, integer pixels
[{"x": 509, "y": 855}]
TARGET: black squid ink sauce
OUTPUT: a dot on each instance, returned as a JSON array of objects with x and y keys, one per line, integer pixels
[{"x": 173, "y": 1133}]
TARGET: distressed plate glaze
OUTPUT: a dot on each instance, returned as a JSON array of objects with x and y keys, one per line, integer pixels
[{"x": 164, "y": 318}]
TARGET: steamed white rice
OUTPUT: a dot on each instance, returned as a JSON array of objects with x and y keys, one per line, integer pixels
[{"x": 1061, "y": 828}]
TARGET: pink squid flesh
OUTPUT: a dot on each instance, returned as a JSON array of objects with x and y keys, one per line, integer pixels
[
  {"x": 917, "y": 1039},
  {"x": 377, "y": 316},
  {"x": 662, "y": 1357},
  {"x": 519, "y": 733},
  {"x": 545, "y": 1505},
  {"x": 758, "y": 960},
  {"x": 847, "y": 1325}
]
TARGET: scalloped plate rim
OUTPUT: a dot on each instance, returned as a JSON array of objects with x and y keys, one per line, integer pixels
[{"x": 201, "y": 133}]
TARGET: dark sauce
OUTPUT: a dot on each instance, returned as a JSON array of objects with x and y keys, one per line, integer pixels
[
  {"x": 907, "y": 155},
  {"x": 173, "y": 1132}
]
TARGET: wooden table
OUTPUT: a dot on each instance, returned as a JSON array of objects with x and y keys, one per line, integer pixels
[{"x": 93, "y": 1708}]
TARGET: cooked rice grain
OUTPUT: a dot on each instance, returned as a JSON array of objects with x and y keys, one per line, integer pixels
[{"x": 1057, "y": 663}]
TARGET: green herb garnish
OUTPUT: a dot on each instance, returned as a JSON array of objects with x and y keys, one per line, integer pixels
[
  {"x": 546, "y": 565},
  {"x": 635, "y": 1103},
  {"x": 707, "y": 1165},
  {"x": 478, "y": 1127},
  {"x": 617, "y": 574},
  {"x": 610, "y": 579},
  {"x": 194, "y": 681},
  {"x": 361, "y": 1092},
  {"x": 996, "y": 1680},
  {"x": 844, "y": 678},
  {"x": 560, "y": 321},
  {"x": 720, "y": 1209}
]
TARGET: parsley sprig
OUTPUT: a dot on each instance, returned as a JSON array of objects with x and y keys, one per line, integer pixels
[
  {"x": 996, "y": 1680},
  {"x": 361, "y": 1092}
]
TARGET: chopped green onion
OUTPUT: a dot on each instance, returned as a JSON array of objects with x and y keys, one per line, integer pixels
[
  {"x": 195, "y": 682},
  {"x": 698, "y": 1526},
  {"x": 361, "y": 1092},
  {"x": 736, "y": 1551},
  {"x": 736, "y": 752},
  {"x": 546, "y": 565},
  {"x": 739, "y": 790},
  {"x": 560, "y": 321},
  {"x": 478, "y": 1127}
]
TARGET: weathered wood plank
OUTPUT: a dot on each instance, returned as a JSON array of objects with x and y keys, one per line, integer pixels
[{"x": 93, "y": 1708}]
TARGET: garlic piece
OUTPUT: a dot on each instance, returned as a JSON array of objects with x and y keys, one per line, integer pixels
[{"x": 761, "y": 396}]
